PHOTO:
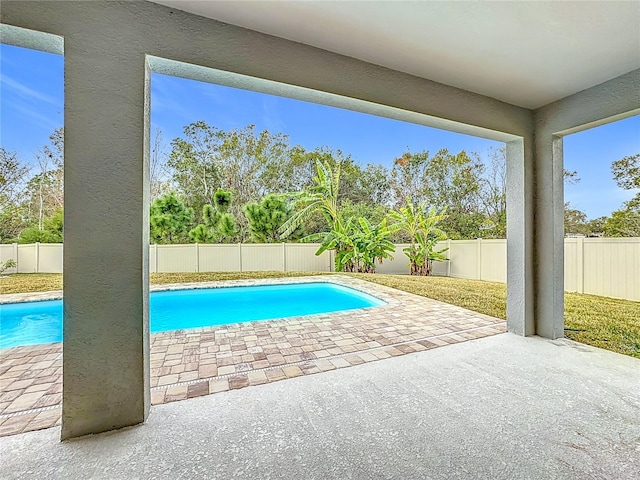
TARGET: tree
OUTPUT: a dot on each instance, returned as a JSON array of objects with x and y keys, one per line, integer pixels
[
  {"x": 408, "y": 177},
  {"x": 44, "y": 192},
  {"x": 596, "y": 226},
  {"x": 194, "y": 165},
  {"x": 322, "y": 197},
  {"x": 12, "y": 177},
  {"x": 343, "y": 236},
  {"x": 372, "y": 186},
  {"x": 250, "y": 164},
  {"x": 218, "y": 224},
  {"x": 12, "y": 181},
  {"x": 373, "y": 213},
  {"x": 52, "y": 231},
  {"x": 623, "y": 223},
  {"x": 158, "y": 171},
  {"x": 445, "y": 180},
  {"x": 575, "y": 221},
  {"x": 421, "y": 227},
  {"x": 626, "y": 173},
  {"x": 493, "y": 195},
  {"x": 169, "y": 219},
  {"x": 626, "y": 221},
  {"x": 267, "y": 217},
  {"x": 454, "y": 184}
]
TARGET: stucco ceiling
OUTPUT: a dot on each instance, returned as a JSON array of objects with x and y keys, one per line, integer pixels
[{"x": 525, "y": 53}]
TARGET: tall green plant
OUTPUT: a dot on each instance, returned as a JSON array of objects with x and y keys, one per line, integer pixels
[
  {"x": 321, "y": 197},
  {"x": 169, "y": 219},
  {"x": 421, "y": 226},
  {"x": 358, "y": 245},
  {"x": 217, "y": 224},
  {"x": 267, "y": 216}
]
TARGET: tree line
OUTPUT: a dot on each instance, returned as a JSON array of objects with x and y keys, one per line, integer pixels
[
  {"x": 241, "y": 185},
  {"x": 249, "y": 170}
]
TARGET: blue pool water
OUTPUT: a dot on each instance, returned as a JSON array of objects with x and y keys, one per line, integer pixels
[{"x": 32, "y": 323}]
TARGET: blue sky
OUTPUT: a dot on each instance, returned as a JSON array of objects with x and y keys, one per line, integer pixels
[{"x": 31, "y": 107}]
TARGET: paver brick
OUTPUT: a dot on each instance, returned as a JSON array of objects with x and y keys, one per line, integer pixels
[
  {"x": 198, "y": 389},
  {"x": 219, "y": 385},
  {"x": 292, "y": 371},
  {"x": 275, "y": 374},
  {"x": 239, "y": 381}
]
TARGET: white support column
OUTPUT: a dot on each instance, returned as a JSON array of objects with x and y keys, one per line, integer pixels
[
  {"x": 197, "y": 257},
  {"x": 549, "y": 238},
  {"x": 106, "y": 248},
  {"x": 520, "y": 238},
  {"x": 240, "y": 255}
]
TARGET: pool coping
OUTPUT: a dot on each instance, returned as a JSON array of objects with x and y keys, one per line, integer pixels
[{"x": 8, "y": 298}]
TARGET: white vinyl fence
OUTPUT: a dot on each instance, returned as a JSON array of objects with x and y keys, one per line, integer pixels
[{"x": 599, "y": 266}]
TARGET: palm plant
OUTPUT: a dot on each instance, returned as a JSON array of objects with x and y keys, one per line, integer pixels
[
  {"x": 421, "y": 226},
  {"x": 322, "y": 197},
  {"x": 357, "y": 244}
]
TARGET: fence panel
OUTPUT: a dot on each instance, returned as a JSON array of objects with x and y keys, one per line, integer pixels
[
  {"x": 262, "y": 257},
  {"x": 493, "y": 261},
  {"x": 176, "y": 258},
  {"x": 219, "y": 258},
  {"x": 301, "y": 257},
  {"x": 27, "y": 262},
  {"x": 612, "y": 267},
  {"x": 9, "y": 252},
  {"x": 50, "y": 258},
  {"x": 571, "y": 261},
  {"x": 463, "y": 256},
  {"x": 399, "y": 264}
]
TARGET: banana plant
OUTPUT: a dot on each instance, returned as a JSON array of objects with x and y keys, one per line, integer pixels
[
  {"x": 421, "y": 226},
  {"x": 358, "y": 245},
  {"x": 373, "y": 244}
]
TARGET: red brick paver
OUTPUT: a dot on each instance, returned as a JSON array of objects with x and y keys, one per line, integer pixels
[{"x": 191, "y": 363}]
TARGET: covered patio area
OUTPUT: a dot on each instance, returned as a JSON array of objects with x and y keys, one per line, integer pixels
[
  {"x": 523, "y": 404},
  {"x": 497, "y": 407}
]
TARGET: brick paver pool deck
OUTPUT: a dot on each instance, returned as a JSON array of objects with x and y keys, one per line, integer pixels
[{"x": 203, "y": 361}]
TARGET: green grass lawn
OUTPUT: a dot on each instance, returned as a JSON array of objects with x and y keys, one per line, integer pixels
[{"x": 599, "y": 321}]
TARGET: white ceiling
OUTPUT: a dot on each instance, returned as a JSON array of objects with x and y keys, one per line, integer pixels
[{"x": 528, "y": 53}]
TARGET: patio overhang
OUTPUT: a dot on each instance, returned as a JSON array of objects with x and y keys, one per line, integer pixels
[{"x": 523, "y": 92}]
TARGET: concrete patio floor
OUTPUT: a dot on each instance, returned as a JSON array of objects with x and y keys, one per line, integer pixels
[{"x": 500, "y": 407}]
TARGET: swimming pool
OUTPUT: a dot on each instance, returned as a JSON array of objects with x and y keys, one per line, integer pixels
[{"x": 33, "y": 323}]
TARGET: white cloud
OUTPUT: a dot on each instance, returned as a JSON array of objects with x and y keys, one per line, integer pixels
[{"x": 26, "y": 92}]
